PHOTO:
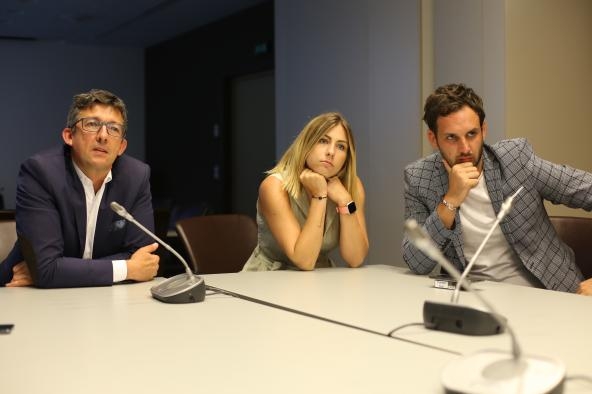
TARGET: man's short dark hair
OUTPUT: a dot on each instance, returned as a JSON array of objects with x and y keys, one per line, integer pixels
[
  {"x": 448, "y": 99},
  {"x": 95, "y": 96}
]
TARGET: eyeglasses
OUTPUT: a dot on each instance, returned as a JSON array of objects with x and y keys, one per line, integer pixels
[{"x": 94, "y": 125}]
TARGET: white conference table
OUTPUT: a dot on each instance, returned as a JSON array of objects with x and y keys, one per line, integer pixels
[
  {"x": 382, "y": 297},
  {"x": 120, "y": 340}
]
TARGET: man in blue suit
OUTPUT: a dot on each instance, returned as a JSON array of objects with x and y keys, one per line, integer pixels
[{"x": 67, "y": 232}]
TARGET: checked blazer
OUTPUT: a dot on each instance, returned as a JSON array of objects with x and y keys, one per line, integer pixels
[{"x": 507, "y": 165}]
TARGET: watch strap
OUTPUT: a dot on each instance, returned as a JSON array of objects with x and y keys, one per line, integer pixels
[{"x": 348, "y": 209}]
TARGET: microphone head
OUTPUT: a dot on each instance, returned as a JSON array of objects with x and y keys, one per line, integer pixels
[
  {"x": 414, "y": 231},
  {"x": 508, "y": 203},
  {"x": 117, "y": 208},
  {"x": 121, "y": 211},
  {"x": 422, "y": 241},
  {"x": 412, "y": 228}
]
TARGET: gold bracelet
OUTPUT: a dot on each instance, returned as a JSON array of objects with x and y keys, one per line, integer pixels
[{"x": 319, "y": 197}]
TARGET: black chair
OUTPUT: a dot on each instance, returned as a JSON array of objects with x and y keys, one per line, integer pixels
[
  {"x": 218, "y": 243},
  {"x": 576, "y": 232}
]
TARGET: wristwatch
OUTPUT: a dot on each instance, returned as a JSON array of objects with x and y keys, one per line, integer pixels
[{"x": 348, "y": 209}]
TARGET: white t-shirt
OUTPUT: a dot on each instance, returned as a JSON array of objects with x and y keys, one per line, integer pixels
[{"x": 497, "y": 260}]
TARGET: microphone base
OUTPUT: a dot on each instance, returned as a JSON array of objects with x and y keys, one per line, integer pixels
[
  {"x": 180, "y": 289},
  {"x": 494, "y": 371},
  {"x": 460, "y": 319}
]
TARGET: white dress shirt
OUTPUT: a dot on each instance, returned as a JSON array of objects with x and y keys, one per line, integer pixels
[{"x": 93, "y": 201}]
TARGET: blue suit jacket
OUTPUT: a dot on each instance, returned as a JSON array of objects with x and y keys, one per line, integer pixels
[
  {"x": 51, "y": 219},
  {"x": 507, "y": 165}
]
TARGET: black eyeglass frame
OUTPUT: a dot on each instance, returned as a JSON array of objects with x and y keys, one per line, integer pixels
[{"x": 102, "y": 123}]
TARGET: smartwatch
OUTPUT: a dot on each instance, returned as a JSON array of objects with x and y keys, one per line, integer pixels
[{"x": 348, "y": 209}]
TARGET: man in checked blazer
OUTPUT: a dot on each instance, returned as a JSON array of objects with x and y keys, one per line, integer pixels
[
  {"x": 68, "y": 234},
  {"x": 456, "y": 193}
]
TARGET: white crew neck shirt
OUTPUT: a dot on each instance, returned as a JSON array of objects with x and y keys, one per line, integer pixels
[{"x": 497, "y": 261}]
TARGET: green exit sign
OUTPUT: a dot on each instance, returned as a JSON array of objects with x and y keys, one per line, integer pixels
[{"x": 261, "y": 48}]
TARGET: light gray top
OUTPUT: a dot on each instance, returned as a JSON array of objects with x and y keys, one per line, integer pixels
[{"x": 269, "y": 256}]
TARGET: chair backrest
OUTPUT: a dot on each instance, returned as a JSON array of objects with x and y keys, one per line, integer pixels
[
  {"x": 576, "y": 232},
  {"x": 218, "y": 243},
  {"x": 7, "y": 233}
]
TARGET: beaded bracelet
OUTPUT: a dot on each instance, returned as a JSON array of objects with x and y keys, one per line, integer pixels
[{"x": 449, "y": 205}]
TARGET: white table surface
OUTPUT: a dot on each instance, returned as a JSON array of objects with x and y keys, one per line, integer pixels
[
  {"x": 382, "y": 297},
  {"x": 120, "y": 340}
]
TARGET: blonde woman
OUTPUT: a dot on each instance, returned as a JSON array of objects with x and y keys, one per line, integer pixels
[{"x": 312, "y": 201}]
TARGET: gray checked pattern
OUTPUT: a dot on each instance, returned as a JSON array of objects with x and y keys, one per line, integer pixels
[{"x": 508, "y": 165}]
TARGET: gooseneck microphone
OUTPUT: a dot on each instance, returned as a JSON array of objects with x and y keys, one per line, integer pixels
[
  {"x": 461, "y": 319},
  {"x": 422, "y": 241},
  {"x": 490, "y": 371},
  {"x": 506, "y": 207},
  {"x": 179, "y": 289}
]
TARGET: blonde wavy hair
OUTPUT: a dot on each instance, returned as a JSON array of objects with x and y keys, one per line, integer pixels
[{"x": 293, "y": 161}]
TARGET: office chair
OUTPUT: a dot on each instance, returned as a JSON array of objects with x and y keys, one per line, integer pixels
[
  {"x": 218, "y": 243},
  {"x": 576, "y": 232},
  {"x": 7, "y": 233}
]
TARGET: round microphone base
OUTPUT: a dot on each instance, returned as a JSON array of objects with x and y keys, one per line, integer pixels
[
  {"x": 494, "y": 371},
  {"x": 180, "y": 289}
]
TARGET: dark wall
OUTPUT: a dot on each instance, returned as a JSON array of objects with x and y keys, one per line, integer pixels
[{"x": 187, "y": 96}]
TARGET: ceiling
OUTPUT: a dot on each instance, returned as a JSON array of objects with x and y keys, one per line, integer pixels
[{"x": 132, "y": 23}]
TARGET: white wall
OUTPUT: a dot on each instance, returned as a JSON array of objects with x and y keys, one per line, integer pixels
[
  {"x": 550, "y": 80},
  {"x": 38, "y": 80},
  {"x": 530, "y": 60},
  {"x": 362, "y": 59},
  {"x": 469, "y": 46}
]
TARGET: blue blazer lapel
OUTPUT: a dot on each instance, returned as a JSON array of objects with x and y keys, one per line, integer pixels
[
  {"x": 78, "y": 201},
  {"x": 110, "y": 228}
]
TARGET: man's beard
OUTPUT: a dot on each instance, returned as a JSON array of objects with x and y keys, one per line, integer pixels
[{"x": 477, "y": 163}]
